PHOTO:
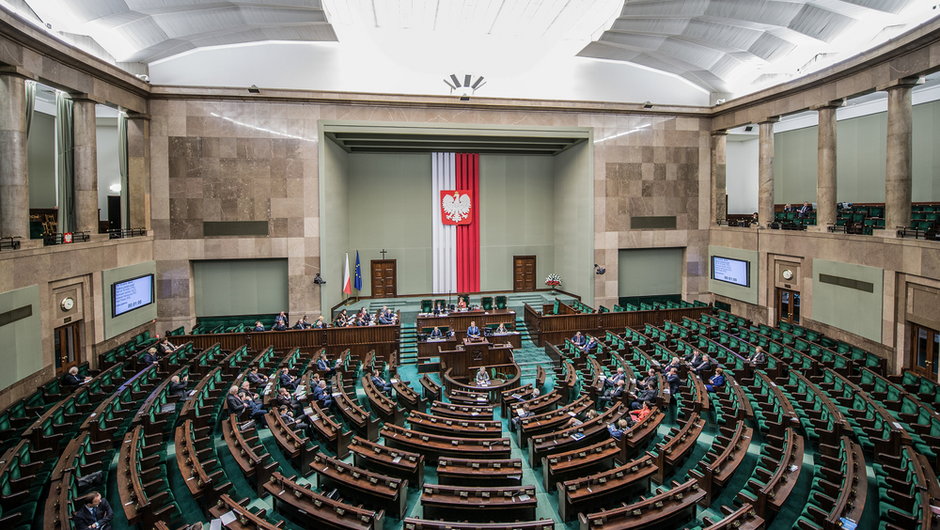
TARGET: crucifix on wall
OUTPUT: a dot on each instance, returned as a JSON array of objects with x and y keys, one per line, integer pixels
[{"x": 383, "y": 252}]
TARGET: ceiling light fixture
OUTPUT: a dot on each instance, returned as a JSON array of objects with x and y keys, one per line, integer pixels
[
  {"x": 253, "y": 89},
  {"x": 463, "y": 87}
]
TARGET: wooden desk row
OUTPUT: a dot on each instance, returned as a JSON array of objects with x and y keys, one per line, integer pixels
[
  {"x": 312, "y": 509},
  {"x": 362, "y": 485},
  {"x": 470, "y": 472},
  {"x": 604, "y": 489},
  {"x": 506, "y": 503},
  {"x": 433, "y": 446},
  {"x": 666, "y": 509}
]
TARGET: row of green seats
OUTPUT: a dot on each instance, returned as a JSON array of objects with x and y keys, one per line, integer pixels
[
  {"x": 866, "y": 358},
  {"x": 816, "y": 417},
  {"x": 81, "y": 458},
  {"x": 903, "y": 492},
  {"x": 113, "y": 415},
  {"x": 120, "y": 353},
  {"x": 772, "y": 460},
  {"x": 918, "y": 418},
  {"x": 633, "y": 336},
  {"x": 839, "y": 471},
  {"x": 868, "y": 424},
  {"x": 654, "y": 333},
  {"x": 23, "y": 473},
  {"x": 926, "y": 389},
  {"x": 158, "y": 412},
  {"x": 209, "y": 394},
  {"x": 155, "y": 500}
]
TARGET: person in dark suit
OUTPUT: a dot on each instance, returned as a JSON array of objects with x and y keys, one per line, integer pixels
[
  {"x": 674, "y": 363},
  {"x": 521, "y": 412},
  {"x": 386, "y": 318},
  {"x": 280, "y": 325},
  {"x": 323, "y": 364},
  {"x": 612, "y": 381},
  {"x": 650, "y": 381},
  {"x": 259, "y": 326},
  {"x": 381, "y": 383},
  {"x": 717, "y": 381},
  {"x": 439, "y": 310},
  {"x": 644, "y": 396},
  {"x": 704, "y": 366},
  {"x": 151, "y": 356},
  {"x": 694, "y": 358},
  {"x": 297, "y": 423},
  {"x": 804, "y": 210},
  {"x": 281, "y": 317},
  {"x": 73, "y": 379},
  {"x": 473, "y": 330},
  {"x": 96, "y": 514},
  {"x": 256, "y": 378},
  {"x": 589, "y": 345},
  {"x": 610, "y": 396},
  {"x": 165, "y": 347},
  {"x": 616, "y": 431},
  {"x": 674, "y": 381},
  {"x": 286, "y": 380},
  {"x": 578, "y": 339},
  {"x": 178, "y": 386},
  {"x": 436, "y": 333},
  {"x": 253, "y": 407},
  {"x": 234, "y": 403},
  {"x": 299, "y": 324},
  {"x": 758, "y": 357},
  {"x": 341, "y": 319},
  {"x": 285, "y": 399},
  {"x": 323, "y": 396}
]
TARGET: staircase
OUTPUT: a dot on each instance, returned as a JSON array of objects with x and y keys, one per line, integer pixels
[
  {"x": 408, "y": 344},
  {"x": 529, "y": 357}
]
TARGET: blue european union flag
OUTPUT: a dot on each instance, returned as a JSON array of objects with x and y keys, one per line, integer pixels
[{"x": 357, "y": 281}]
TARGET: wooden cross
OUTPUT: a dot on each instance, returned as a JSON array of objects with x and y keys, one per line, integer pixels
[{"x": 383, "y": 252}]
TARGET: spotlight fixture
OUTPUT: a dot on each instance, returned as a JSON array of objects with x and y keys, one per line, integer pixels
[
  {"x": 253, "y": 89},
  {"x": 748, "y": 128},
  {"x": 648, "y": 105},
  {"x": 319, "y": 280},
  {"x": 599, "y": 269},
  {"x": 463, "y": 87},
  {"x": 143, "y": 77}
]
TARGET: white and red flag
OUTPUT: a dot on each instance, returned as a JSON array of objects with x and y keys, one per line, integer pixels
[{"x": 455, "y": 181}]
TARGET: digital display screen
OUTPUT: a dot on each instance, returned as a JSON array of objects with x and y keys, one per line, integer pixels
[
  {"x": 731, "y": 270},
  {"x": 132, "y": 294}
]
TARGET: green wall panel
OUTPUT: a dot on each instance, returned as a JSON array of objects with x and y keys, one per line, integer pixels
[
  {"x": 853, "y": 310},
  {"x": 240, "y": 286},
  {"x": 21, "y": 354},
  {"x": 650, "y": 271},
  {"x": 573, "y": 214},
  {"x": 795, "y": 166},
  {"x": 334, "y": 214}
]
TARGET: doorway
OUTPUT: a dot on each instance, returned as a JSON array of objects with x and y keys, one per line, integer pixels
[
  {"x": 523, "y": 273},
  {"x": 788, "y": 306},
  {"x": 925, "y": 348},
  {"x": 384, "y": 274},
  {"x": 68, "y": 346},
  {"x": 114, "y": 212}
]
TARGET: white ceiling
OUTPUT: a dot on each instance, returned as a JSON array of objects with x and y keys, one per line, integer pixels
[{"x": 666, "y": 51}]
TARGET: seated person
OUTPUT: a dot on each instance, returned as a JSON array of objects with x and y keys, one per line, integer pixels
[
  {"x": 610, "y": 396},
  {"x": 804, "y": 210},
  {"x": 694, "y": 358},
  {"x": 674, "y": 363},
  {"x": 281, "y": 317},
  {"x": 319, "y": 323},
  {"x": 298, "y": 424},
  {"x": 95, "y": 514},
  {"x": 461, "y": 303},
  {"x": 616, "y": 378},
  {"x": 280, "y": 325},
  {"x": 253, "y": 407},
  {"x": 482, "y": 378},
  {"x": 578, "y": 339},
  {"x": 616, "y": 431},
  {"x": 151, "y": 356},
  {"x": 674, "y": 381},
  {"x": 285, "y": 399},
  {"x": 644, "y": 396},
  {"x": 178, "y": 386},
  {"x": 366, "y": 316},
  {"x": 341, "y": 319},
  {"x": 323, "y": 365},
  {"x": 650, "y": 381},
  {"x": 286, "y": 380},
  {"x": 322, "y": 395},
  {"x": 704, "y": 366},
  {"x": 589, "y": 345},
  {"x": 246, "y": 388},
  {"x": 360, "y": 322},
  {"x": 387, "y": 318},
  {"x": 235, "y": 404},
  {"x": 501, "y": 330},
  {"x": 165, "y": 347},
  {"x": 73, "y": 379},
  {"x": 258, "y": 326},
  {"x": 256, "y": 378},
  {"x": 436, "y": 333},
  {"x": 521, "y": 412},
  {"x": 717, "y": 381},
  {"x": 758, "y": 357},
  {"x": 439, "y": 310},
  {"x": 473, "y": 330},
  {"x": 299, "y": 324},
  {"x": 641, "y": 413},
  {"x": 787, "y": 207},
  {"x": 306, "y": 323},
  {"x": 380, "y": 382}
]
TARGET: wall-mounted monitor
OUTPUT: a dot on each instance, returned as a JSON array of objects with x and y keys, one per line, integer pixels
[
  {"x": 734, "y": 271},
  {"x": 128, "y": 295}
]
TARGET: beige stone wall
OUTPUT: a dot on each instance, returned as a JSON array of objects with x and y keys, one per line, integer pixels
[{"x": 257, "y": 161}]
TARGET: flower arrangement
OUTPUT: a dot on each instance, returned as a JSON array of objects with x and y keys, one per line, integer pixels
[{"x": 553, "y": 280}]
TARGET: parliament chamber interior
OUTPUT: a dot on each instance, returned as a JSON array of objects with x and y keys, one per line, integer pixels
[{"x": 593, "y": 264}]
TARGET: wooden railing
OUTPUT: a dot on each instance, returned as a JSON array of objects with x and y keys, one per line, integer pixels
[{"x": 554, "y": 329}]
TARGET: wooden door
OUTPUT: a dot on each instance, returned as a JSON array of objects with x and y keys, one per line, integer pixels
[
  {"x": 68, "y": 346},
  {"x": 788, "y": 306},
  {"x": 925, "y": 349},
  {"x": 384, "y": 274},
  {"x": 523, "y": 273}
]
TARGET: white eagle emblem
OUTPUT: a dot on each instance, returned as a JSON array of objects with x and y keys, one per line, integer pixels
[{"x": 456, "y": 207}]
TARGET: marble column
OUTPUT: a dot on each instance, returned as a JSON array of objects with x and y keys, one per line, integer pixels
[
  {"x": 719, "y": 169},
  {"x": 85, "y": 164},
  {"x": 14, "y": 168},
  {"x": 826, "y": 166},
  {"x": 765, "y": 172},
  {"x": 898, "y": 167},
  {"x": 138, "y": 171}
]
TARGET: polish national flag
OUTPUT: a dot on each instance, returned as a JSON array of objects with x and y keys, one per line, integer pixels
[{"x": 347, "y": 283}]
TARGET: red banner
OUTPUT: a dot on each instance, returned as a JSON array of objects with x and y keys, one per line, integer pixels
[{"x": 456, "y": 207}]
